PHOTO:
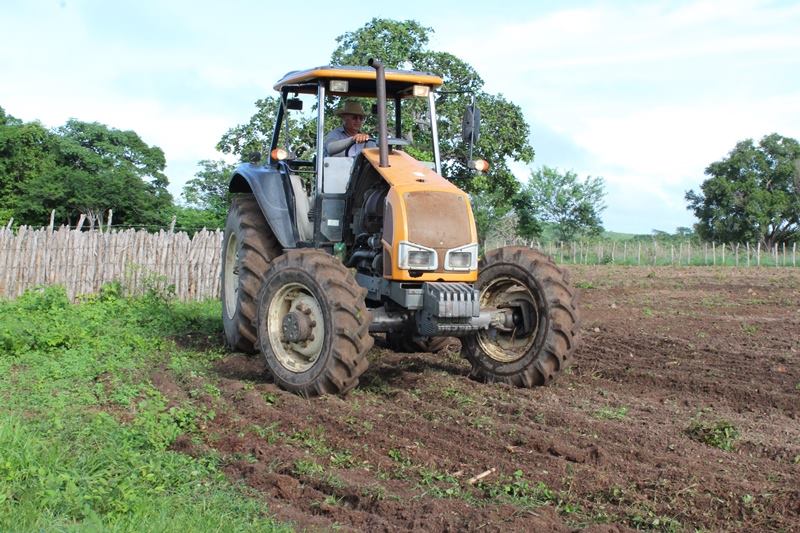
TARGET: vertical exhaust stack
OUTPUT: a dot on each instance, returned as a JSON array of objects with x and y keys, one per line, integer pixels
[{"x": 380, "y": 89}]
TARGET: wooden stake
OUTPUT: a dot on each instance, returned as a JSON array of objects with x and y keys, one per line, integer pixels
[{"x": 480, "y": 476}]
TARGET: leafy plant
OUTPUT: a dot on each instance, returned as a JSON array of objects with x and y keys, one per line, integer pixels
[
  {"x": 307, "y": 467},
  {"x": 720, "y": 434},
  {"x": 516, "y": 490},
  {"x": 611, "y": 413}
]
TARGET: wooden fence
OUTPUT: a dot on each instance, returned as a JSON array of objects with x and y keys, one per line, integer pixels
[
  {"x": 662, "y": 254},
  {"x": 83, "y": 261}
]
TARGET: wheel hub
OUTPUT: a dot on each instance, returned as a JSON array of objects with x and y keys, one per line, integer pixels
[
  {"x": 515, "y": 326},
  {"x": 295, "y": 327},
  {"x": 298, "y": 325}
]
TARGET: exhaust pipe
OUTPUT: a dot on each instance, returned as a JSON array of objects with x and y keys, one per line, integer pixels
[{"x": 380, "y": 89}]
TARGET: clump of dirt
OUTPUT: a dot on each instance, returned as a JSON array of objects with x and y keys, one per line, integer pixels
[{"x": 607, "y": 447}]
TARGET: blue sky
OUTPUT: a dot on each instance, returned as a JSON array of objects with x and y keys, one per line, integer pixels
[{"x": 644, "y": 94}]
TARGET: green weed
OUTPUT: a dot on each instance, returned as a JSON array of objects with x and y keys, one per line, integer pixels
[
  {"x": 721, "y": 434},
  {"x": 461, "y": 398},
  {"x": 313, "y": 440},
  {"x": 307, "y": 467},
  {"x": 342, "y": 459},
  {"x": 611, "y": 413},
  {"x": 517, "y": 491},
  {"x": 750, "y": 329},
  {"x": 441, "y": 485}
]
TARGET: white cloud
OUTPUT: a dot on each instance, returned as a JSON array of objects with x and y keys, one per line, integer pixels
[{"x": 649, "y": 94}]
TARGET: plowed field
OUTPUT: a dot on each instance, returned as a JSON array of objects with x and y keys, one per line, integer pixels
[{"x": 681, "y": 411}]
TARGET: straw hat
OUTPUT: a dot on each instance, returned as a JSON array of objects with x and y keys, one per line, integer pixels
[{"x": 351, "y": 108}]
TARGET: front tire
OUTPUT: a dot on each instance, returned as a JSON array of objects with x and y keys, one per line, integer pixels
[
  {"x": 546, "y": 326},
  {"x": 313, "y": 324},
  {"x": 248, "y": 247}
]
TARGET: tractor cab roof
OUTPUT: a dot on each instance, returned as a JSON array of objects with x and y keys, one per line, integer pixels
[{"x": 361, "y": 80}]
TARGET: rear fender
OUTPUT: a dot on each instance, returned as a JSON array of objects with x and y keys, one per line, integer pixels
[{"x": 269, "y": 187}]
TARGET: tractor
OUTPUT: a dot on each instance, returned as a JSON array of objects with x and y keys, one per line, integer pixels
[{"x": 320, "y": 255}]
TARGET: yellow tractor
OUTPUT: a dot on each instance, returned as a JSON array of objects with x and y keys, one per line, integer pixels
[{"x": 321, "y": 252}]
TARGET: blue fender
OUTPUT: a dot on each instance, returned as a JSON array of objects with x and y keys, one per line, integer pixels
[{"x": 268, "y": 185}]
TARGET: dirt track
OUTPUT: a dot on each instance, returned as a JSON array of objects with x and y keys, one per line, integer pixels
[{"x": 606, "y": 447}]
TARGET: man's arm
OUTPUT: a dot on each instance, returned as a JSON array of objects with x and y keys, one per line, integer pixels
[{"x": 336, "y": 147}]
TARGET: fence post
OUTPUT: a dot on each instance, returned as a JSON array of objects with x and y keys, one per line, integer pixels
[
  {"x": 639, "y": 257},
  {"x": 758, "y": 254},
  {"x": 747, "y": 244}
]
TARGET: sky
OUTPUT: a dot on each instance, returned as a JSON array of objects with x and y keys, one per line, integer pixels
[{"x": 643, "y": 94}]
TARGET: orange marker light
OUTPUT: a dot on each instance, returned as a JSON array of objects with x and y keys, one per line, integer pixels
[
  {"x": 279, "y": 154},
  {"x": 481, "y": 165}
]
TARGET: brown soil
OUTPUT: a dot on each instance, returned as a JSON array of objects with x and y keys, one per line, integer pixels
[{"x": 607, "y": 447}]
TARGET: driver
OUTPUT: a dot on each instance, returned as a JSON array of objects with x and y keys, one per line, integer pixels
[{"x": 347, "y": 140}]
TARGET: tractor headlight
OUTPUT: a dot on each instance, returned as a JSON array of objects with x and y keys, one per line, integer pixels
[
  {"x": 464, "y": 258},
  {"x": 416, "y": 257}
]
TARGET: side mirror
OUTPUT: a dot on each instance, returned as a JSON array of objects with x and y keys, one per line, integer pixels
[
  {"x": 295, "y": 104},
  {"x": 471, "y": 124}
]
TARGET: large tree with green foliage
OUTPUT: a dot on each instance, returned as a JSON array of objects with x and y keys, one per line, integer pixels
[
  {"x": 403, "y": 44},
  {"x": 25, "y": 151},
  {"x": 80, "y": 168},
  {"x": 571, "y": 205},
  {"x": 753, "y": 194},
  {"x": 206, "y": 196}
]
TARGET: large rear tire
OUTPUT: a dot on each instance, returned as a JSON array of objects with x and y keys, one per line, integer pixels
[
  {"x": 248, "y": 247},
  {"x": 544, "y": 335},
  {"x": 313, "y": 324}
]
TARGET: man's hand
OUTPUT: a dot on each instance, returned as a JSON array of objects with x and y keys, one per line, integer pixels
[{"x": 360, "y": 137}]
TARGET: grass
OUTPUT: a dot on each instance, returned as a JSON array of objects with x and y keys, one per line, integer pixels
[
  {"x": 611, "y": 413},
  {"x": 85, "y": 437},
  {"x": 720, "y": 434}
]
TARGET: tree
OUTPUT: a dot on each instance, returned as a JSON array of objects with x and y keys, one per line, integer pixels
[
  {"x": 207, "y": 196},
  {"x": 245, "y": 139},
  {"x": 26, "y": 151},
  {"x": 403, "y": 44},
  {"x": 752, "y": 194},
  {"x": 573, "y": 206},
  {"x": 81, "y": 168},
  {"x": 504, "y": 132}
]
